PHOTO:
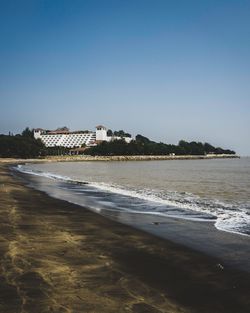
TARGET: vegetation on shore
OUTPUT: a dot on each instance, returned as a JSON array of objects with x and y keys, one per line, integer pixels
[
  {"x": 21, "y": 146},
  {"x": 24, "y": 145},
  {"x": 144, "y": 146}
]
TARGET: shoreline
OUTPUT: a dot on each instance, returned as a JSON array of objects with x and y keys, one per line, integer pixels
[
  {"x": 88, "y": 158},
  {"x": 203, "y": 236},
  {"x": 60, "y": 257}
]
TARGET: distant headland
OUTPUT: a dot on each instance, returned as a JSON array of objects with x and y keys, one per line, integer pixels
[{"x": 103, "y": 142}]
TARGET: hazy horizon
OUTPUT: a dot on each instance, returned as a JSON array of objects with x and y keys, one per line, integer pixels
[{"x": 168, "y": 70}]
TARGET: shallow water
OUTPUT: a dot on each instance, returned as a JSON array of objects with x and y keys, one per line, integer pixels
[{"x": 215, "y": 190}]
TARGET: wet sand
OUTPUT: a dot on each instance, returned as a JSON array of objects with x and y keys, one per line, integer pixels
[{"x": 59, "y": 257}]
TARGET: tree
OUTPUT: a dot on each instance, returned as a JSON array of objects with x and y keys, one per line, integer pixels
[
  {"x": 63, "y": 128},
  {"x": 109, "y": 133},
  {"x": 208, "y": 148},
  {"x": 142, "y": 139},
  {"x": 27, "y": 132},
  {"x": 20, "y": 147}
]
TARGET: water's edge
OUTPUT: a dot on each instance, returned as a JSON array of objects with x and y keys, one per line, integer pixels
[{"x": 203, "y": 237}]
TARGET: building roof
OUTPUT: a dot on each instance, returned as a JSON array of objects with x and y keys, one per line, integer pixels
[
  {"x": 55, "y": 132},
  {"x": 100, "y": 126}
]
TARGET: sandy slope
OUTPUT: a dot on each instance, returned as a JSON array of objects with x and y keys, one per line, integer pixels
[{"x": 58, "y": 257}]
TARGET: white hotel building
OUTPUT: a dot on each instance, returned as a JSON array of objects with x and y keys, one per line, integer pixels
[{"x": 64, "y": 138}]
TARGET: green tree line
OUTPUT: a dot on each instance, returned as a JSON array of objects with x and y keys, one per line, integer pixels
[
  {"x": 25, "y": 146},
  {"x": 144, "y": 146},
  {"x": 21, "y": 146}
]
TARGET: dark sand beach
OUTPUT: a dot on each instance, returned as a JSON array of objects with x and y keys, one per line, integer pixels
[{"x": 60, "y": 257}]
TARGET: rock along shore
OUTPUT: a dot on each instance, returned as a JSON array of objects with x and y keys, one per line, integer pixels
[{"x": 72, "y": 158}]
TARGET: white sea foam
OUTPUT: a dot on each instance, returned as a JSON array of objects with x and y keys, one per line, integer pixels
[
  {"x": 26, "y": 170},
  {"x": 228, "y": 218},
  {"x": 147, "y": 195}
]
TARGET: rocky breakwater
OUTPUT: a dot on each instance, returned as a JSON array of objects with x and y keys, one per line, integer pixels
[{"x": 140, "y": 157}]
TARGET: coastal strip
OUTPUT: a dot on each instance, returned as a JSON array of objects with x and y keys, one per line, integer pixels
[
  {"x": 60, "y": 257},
  {"x": 72, "y": 158}
]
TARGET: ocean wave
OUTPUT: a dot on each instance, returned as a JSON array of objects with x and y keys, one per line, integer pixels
[{"x": 26, "y": 170}]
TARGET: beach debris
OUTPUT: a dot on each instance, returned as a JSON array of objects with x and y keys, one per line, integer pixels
[
  {"x": 220, "y": 266},
  {"x": 101, "y": 256}
]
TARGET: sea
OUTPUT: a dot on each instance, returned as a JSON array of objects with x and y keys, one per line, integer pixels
[{"x": 195, "y": 202}]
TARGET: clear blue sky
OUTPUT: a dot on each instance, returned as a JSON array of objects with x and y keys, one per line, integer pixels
[{"x": 170, "y": 70}]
